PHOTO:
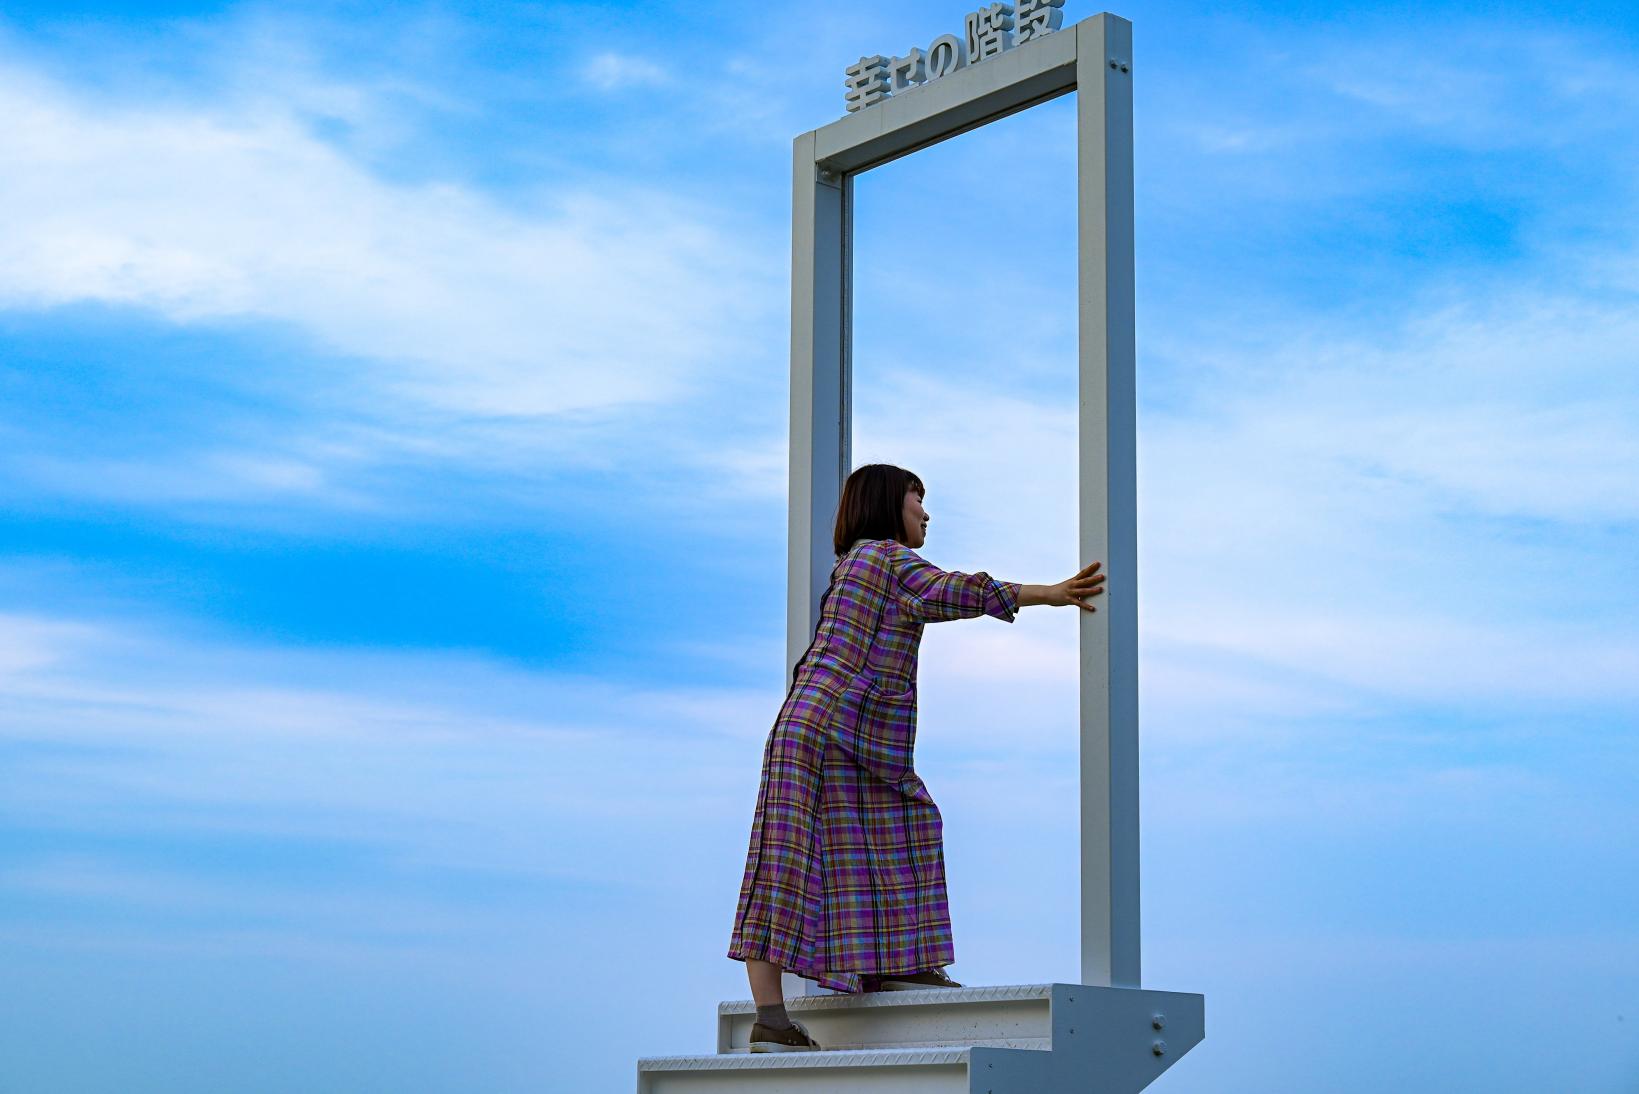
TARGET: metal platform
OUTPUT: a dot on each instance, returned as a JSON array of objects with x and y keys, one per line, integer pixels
[{"x": 1012, "y": 1039}]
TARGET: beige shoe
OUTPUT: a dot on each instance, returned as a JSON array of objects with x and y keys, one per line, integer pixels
[
  {"x": 795, "y": 1039},
  {"x": 929, "y": 978}
]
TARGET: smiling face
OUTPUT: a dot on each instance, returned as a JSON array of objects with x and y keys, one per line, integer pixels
[{"x": 915, "y": 519}]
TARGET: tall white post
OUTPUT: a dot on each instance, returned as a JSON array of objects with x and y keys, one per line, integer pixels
[
  {"x": 821, "y": 404},
  {"x": 1108, "y": 505}
]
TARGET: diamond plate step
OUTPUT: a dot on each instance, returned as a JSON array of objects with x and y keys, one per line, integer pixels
[
  {"x": 876, "y": 1071},
  {"x": 1009, "y": 1016},
  {"x": 1045, "y": 1039}
]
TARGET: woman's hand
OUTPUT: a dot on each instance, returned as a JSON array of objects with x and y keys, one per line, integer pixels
[{"x": 1078, "y": 590}]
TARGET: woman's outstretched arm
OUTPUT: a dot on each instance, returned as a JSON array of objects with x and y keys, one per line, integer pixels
[
  {"x": 1079, "y": 590},
  {"x": 929, "y": 594}
]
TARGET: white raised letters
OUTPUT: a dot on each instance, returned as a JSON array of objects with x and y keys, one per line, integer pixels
[
  {"x": 867, "y": 82},
  {"x": 989, "y": 31},
  {"x": 992, "y": 30},
  {"x": 1036, "y": 18}
]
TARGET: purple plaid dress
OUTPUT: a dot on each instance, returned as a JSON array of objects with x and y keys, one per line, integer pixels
[{"x": 845, "y": 873}]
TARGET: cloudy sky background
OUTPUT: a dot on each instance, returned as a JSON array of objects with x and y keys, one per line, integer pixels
[{"x": 392, "y": 531}]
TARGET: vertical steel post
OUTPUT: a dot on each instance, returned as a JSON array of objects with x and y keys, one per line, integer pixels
[
  {"x": 1107, "y": 438},
  {"x": 821, "y": 402}
]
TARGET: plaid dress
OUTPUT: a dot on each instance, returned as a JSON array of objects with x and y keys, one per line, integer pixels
[{"x": 845, "y": 873}]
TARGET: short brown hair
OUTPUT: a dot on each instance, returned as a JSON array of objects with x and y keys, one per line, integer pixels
[{"x": 873, "y": 504}]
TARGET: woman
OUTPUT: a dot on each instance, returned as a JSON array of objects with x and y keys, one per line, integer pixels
[{"x": 845, "y": 875}]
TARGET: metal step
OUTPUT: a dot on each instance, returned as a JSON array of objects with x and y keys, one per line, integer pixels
[
  {"x": 1013, "y": 1016},
  {"x": 1013, "y": 1039},
  {"x": 970, "y": 1070}
]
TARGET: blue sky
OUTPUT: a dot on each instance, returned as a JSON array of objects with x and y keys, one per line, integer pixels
[{"x": 392, "y": 486}]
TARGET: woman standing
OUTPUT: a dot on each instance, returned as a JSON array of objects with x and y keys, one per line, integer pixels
[{"x": 845, "y": 874}]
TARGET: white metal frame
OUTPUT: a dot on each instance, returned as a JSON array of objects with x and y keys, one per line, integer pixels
[{"x": 1094, "y": 59}]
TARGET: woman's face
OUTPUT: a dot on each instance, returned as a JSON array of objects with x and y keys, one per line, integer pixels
[{"x": 915, "y": 520}]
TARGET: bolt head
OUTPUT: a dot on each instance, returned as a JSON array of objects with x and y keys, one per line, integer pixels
[
  {"x": 1159, "y": 1048},
  {"x": 1159, "y": 1021}
]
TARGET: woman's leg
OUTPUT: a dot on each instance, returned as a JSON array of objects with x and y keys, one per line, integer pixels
[{"x": 765, "y": 983}]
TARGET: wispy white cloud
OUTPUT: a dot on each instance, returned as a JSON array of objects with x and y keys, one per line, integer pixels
[
  {"x": 1492, "y": 85},
  {"x": 443, "y": 327},
  {"x": 219, "y": 477},
  {"x": 1336, "y": 522},
  {"x": 416, "y": 754},
  {"x": 610, "y": 71},
  {"x": 583, "y": 301}
]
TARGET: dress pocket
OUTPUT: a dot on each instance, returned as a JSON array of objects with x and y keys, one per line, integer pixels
[
  {"x": 891, "y": 691},
  {"x": 888, "y": 731}
]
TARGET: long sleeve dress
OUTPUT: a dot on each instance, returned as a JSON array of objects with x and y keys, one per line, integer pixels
[{"x": 845, "y": 872}]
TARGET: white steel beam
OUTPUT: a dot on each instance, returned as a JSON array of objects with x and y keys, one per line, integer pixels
[
  {"x": 1108, "y": 490},
  {"x": 821, "y": 406},
  {"x": 966, "y": 99}
]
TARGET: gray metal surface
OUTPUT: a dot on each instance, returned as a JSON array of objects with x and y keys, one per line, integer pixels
[
  {"x": 878, "y": 1000},
  {"x": 903, "y": 1071},
  {"x": 821, "y": 407},
  {"x": 1108, "y": 496},
  {"x": 1103, "y": 1039},
  {"x": 766, "y": 1061},
  {"x": 1016, "y": 1016},
  {"x": 964, "y": 100}
]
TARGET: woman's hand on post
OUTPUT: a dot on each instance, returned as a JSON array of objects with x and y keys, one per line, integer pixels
[
  {"x": 1077, "y": 590},
  {"x": 1081, "y": 588}
]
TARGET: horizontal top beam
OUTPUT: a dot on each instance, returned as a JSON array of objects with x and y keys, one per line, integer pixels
[{"x": 967, "y": 98}]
